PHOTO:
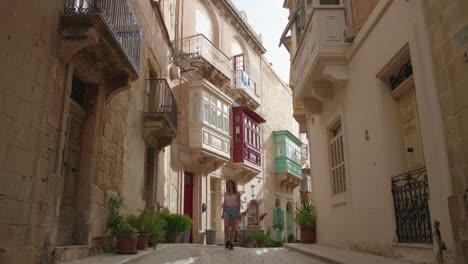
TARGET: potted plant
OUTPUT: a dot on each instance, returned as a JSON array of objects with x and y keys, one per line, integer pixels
[
  {"x": 157, "y": 229},
  {"x": 210, "y": 236},
  {"x": 148, "y": 225},
  {"x": 249, "y": 242},
  {"x": 120, "y": 228},
  {"x": 176, "y": 225},
  {"x": 260, "y": 237},
  {"x": 306, "y": 218},
  {"x": 291, "y": 238}
]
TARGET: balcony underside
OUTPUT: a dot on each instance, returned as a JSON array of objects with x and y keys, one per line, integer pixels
[
  {"x": 242, "y": 97},
  {"x": 89, "y": 34},
  {"x": 158, "y": 130},
  {"x": 287, "y": 181},
  {"x": 241, "y": 172},
  {"x": 214, "y": 75},
  {"x": 301, "y": 119},
  {"x": 207, "y": 160}
]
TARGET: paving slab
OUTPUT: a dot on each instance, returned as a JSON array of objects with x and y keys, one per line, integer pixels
[
  {"x": 111, "y": 258},
  {"x": 340, "y": 256}
]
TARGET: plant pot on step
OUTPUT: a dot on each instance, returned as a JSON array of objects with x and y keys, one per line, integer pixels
[
  {"x": 250, "y": 244},
  {"x": 142, "y": 241},
  {"x": 261, "y": 244},
  {"x": 186, "y": 236},
  {"x": 210, "y": 237},
  {"x": 126, "y": 244},
  {"x": 175, "y": 237},
  {"x": 308, "y": 235}
]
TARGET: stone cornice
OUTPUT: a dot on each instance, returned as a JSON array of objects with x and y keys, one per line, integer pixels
[{"x": 227, "y": 9}]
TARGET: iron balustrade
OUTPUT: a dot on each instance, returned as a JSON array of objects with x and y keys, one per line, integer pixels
[
  {"x": 410, "y": 198},
  {"x": 200, "y": 45},
  {"x": 242, "y": 81},
  {"x": 161, "y": 102},
  {"x": 405, "y": 72},
  {"x": 120, "y": 19}
]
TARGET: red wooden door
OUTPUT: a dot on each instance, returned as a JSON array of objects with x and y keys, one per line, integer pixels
[
  {"x": 188, "y": 197},
  {"x": 239, "y": 62}
]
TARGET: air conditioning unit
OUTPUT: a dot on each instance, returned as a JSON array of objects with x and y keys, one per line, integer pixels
[{"x": 350, "y": 33}]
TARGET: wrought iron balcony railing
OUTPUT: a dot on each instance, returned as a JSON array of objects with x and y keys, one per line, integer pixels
[
  {"x": 120, "y": 19},
  {"x": 200, "y": 45},
  {"x": 242, "y": 81},
  {"x": 410, "y": 198},
  {"x": 161, "y": 103}
]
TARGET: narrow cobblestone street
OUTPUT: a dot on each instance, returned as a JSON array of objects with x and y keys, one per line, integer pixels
[{"x": 186, "y": 254}]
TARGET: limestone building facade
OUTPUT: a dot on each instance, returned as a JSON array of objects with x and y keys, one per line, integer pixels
[
  {"x": 105, "y": 97},
  {"x": 379, "y": 89}
]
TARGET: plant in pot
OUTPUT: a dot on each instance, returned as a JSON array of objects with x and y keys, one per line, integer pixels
[
  {"x": 120, "y": 228},
  {"x": 210, "y": 236},
  {"x": 148, "y": 225},
  {"x": 157, "y": 229},
  {"x": 260, "y": 237},
  {"x": 176, "y": 225},
  {"x": 249, "y": 242},
  {"x": 306, "y": 218}
]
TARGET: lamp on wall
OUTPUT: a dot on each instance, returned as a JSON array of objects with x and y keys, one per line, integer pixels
[
  {"x": 203, "y": 207},
  {"x": 184, "y": 59}
]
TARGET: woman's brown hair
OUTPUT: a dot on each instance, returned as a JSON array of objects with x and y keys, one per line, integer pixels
[{"x": 233, "y": 186}]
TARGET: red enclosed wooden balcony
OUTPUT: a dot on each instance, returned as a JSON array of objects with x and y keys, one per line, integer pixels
[{"x": 246, "y": 154}]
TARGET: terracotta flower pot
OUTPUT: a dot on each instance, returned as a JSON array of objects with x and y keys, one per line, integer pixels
[
  {"x": 126, "y": 244},
  {"x": 142, "y": 241},
  {"x": 261, "y": 244},
  {"x": 250, "y": 244},
  {"x": 308, "y": 235},
  {"x": 175, "y": 237}
]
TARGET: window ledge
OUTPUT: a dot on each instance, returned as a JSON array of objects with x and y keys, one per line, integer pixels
[
  {"x": 413, "y": 245},
  {"x": 338, "y": 199}
]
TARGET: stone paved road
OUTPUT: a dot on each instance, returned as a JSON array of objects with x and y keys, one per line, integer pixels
[{"x": 196, "y": 254}]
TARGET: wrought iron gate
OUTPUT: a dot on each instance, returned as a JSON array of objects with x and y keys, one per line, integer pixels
[{"x": 410, "y": 198}]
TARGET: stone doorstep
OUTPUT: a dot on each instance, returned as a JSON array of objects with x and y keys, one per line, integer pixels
[
  {"x": 340, "y": 256},
  {"x": 109, "y": 258}
]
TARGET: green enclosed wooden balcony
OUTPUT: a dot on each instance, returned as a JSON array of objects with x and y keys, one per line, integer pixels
[{"x": 287, "y": 159}]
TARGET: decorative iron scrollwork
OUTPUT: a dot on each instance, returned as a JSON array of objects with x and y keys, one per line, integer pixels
[
  {"x": 410, "y": 198},
  {"x": 405, "y": 72}
]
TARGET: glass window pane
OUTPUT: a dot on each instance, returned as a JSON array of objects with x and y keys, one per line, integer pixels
[
  {"x": 206, "y": 112},
  {"x": 213, "y": 116},
  {"x": 220, "y": 120},
  {"x": 195, "y": 111},
  {"x": 226, "y": 124}
]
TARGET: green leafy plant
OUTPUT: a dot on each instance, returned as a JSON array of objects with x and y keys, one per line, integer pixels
[
  {"x": 249, "y": 239},
  {"x": 178, "y": 223},
  {"x": 259, "y": 236},
  {"x": 115, "y": 219},
  {"x": 126, "y": 229},
  {"x": 273, "y": 243},
  {"x": 116, "y": 223},
  {"x": 306, "y": 217}
]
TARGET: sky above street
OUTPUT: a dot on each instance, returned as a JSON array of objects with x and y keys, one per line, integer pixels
[{"x": 269, "y": 18}]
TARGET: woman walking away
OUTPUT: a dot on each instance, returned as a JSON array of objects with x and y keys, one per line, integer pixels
[{"x": 231, "y": 213}]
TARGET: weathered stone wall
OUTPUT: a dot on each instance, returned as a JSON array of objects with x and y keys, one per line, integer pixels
[
  {"x": 34, "y": 110},
  {"x": 32, "y": 82},
  {"x": 447, "y": 23}
]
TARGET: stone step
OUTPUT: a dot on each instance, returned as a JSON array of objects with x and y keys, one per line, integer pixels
[{"x": 69, "y": 253}]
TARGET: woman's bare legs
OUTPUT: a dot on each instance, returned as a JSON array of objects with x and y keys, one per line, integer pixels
[
  {"x": 234, "y": 223},
  {"x": 226, "y": 229}
]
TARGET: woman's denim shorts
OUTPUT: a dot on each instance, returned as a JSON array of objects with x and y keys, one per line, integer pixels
[{"x": 231, "y": 212}]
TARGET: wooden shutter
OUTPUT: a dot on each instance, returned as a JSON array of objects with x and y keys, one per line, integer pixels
[{"x": 338, "y": 161}]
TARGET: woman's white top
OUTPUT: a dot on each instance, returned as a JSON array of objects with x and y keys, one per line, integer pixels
[{"x": 231, "y": 199}]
